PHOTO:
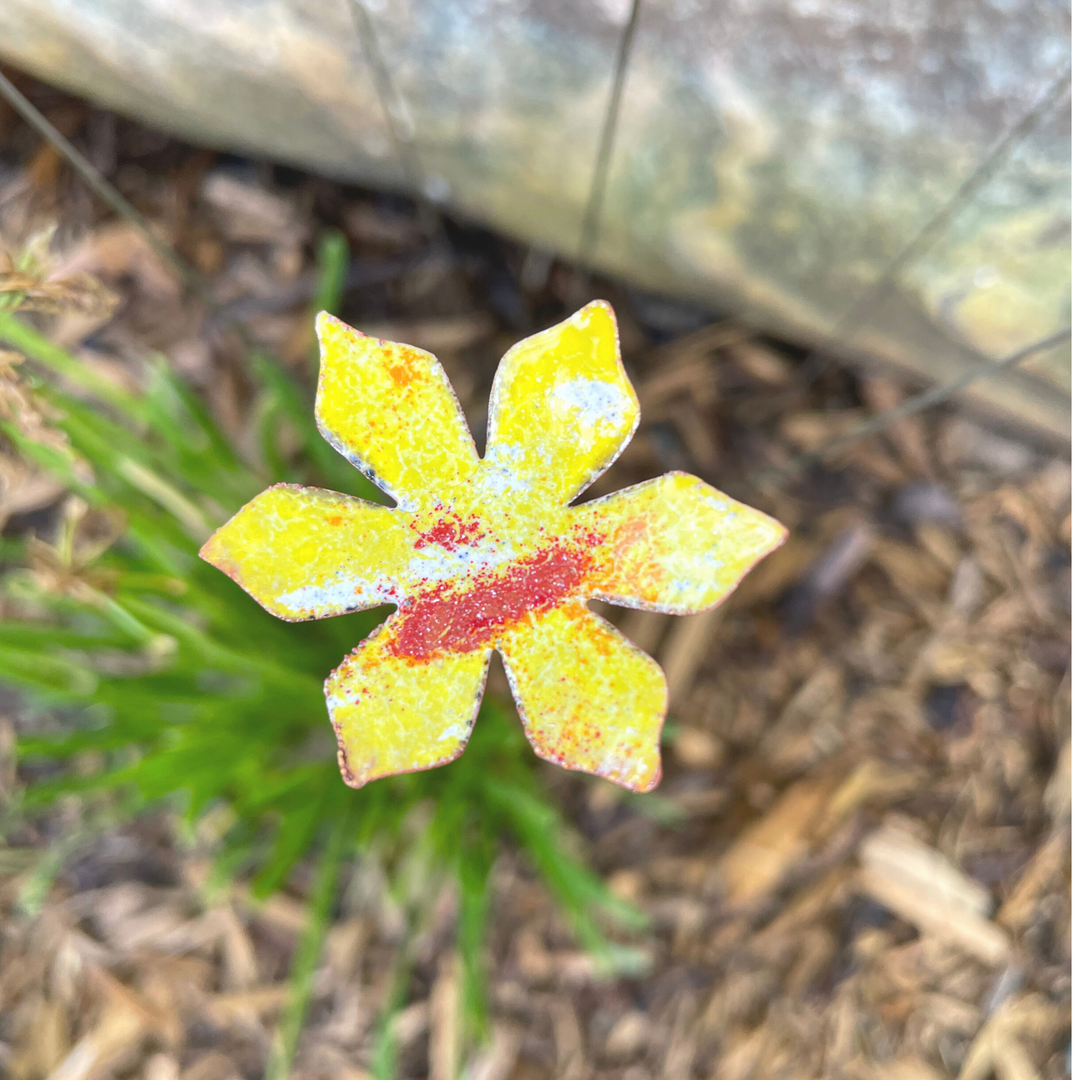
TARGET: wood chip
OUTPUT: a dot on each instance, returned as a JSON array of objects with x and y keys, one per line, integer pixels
[
  {"x": 685, "y": 650},
  {"x": 444, "y": 1046},
  {"x": 411, "y": 1023},
  {"x": 628, "y": 1036},
  {"x": 497, "y": 1060},
  {"x": 976, "y": 936},
  {"x": 768, "y": 849},
  {"x": 246, "y": 1006},
  {"x": 809, "y": 726},
  {"x": 1057, "y": 796},
  {"x": 161, "y": 1067},
  {"x": 908, "y": 434},
  {"x": 569, "y": 1048},
  {"x": 895, "y": 855},
  {"x": 111, "y": 1043},
  {"x": 697, "y": 749},
  {"x": 247, "y": 213},
  {"x": 760, "y": 362},
  {"x": 1029, "y": 1015},
  {"x": 645, "y": 628},
  {"x": 908, "y": 1069},
  {"x": 1046, "y": 870},
  {"x": 679, "y": 1059},
  {"x": 869, "y": 781},
  {"x": 241, "y": 964},
  {"x": 211, "y": 1066},
  {"x": 1012, "y": 1061},
  {"x": 46, "y": 1042}
]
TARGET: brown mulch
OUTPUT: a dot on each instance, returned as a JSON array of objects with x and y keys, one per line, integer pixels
[{"x": 857, "y": 864}]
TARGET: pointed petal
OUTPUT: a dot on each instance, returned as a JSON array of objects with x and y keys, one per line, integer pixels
[
  {"x": 390, "y": 410},
  {"x": 674, "y": 544},
  {"x": 305, "y": 553},
  {"x": 589, "y": 699},
  {"x": 562, "y": 408},
  {"x": 394, "y": 715}
]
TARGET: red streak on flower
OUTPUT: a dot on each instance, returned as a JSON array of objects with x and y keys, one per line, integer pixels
[
  {"x": 449, "y": 533},
  {"x": 440, "y": 620}
]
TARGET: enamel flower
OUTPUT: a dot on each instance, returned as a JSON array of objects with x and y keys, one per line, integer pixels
[{"x": 484, "y": 554}]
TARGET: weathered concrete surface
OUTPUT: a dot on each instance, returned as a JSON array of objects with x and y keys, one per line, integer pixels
[{"x": 773, "y": 157}]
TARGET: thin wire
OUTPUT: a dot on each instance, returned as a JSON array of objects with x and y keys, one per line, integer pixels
[
  {"x": 393, "y": 106},
  {"x": 917, "y": 403},
  {"x": 931, "y": 232},
  {"x": 590, "y": 221},
  {"x": 101, "y": 187}
]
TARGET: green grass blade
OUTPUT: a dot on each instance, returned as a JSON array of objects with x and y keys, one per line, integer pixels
[
  {"x": 283, "y": 1047},
  {"x": 474, "y": 880},
  {"x": 333, "y": 267},
  {"x": 51, "y": 676},
  {"x": 384, "y": 1058},
  {"x": 49, "y": 355}
]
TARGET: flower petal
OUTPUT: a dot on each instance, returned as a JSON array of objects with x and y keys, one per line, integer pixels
[
  {"x": 562, "y": 408},
  {"x": 589, "y": 699},
  {"x": 394, "y": 715},
  {"x": 391, "y": 411},
  {"x": 674, "y": 544},
  {"x": 305, "y": 553}
]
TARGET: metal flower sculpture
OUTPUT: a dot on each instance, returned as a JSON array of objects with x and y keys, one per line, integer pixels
[{"x": 487, "y": 553}]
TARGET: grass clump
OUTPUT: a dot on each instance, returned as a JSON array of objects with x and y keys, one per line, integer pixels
[{"x": 176, "y": 689}]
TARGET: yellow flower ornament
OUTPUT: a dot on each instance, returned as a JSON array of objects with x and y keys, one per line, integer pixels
[{"x": 487, "y": 553}]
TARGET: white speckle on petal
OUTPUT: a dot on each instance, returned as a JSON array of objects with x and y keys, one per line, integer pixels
[
  {"x": 598, "y": 404},
  {"x": 435, "y": 563},
  {"x": 342, "y": 594},
  {"x": 498, "y": 479}
]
